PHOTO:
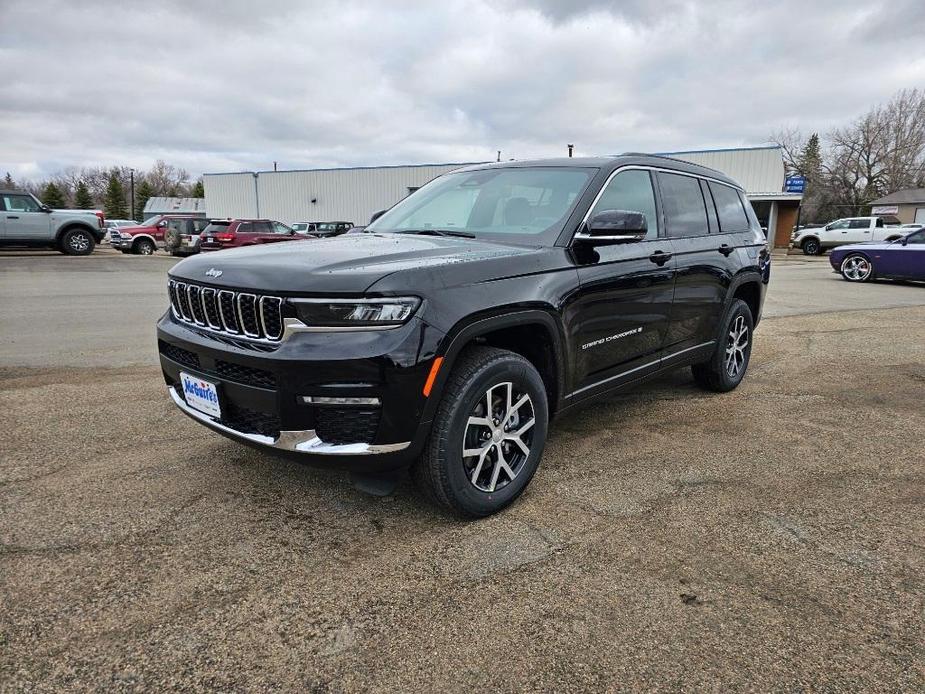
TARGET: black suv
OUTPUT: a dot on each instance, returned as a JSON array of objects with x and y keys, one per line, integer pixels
[{"x": 447, "y": 335}]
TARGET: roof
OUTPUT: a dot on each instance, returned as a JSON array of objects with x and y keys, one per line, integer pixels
[
  {"x": 175, "y": 205},
  {"x": 900, "y": 197}
]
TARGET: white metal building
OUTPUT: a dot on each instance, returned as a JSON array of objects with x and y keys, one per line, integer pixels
[{"x": 354, "y": 194}]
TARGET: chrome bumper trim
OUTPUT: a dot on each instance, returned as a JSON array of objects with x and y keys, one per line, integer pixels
[{"x": 306, "y": 441}]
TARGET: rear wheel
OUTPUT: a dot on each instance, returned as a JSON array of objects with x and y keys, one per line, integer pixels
[
  {"x": 488, "y": 434},
  {"x": 77, "y": 242},
  {"x": 857, "y": 268},
  {"x": 812, "y": 247},
  {"x": 144, "y": 247},
  {"x": 726, "y": 368}
]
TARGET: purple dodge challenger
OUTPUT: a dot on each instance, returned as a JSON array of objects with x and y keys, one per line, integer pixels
[{"x": 902, "y": 259}]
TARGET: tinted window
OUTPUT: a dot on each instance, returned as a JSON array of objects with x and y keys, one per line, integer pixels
[
  {"x": 632, "y": 191},
  {"x": 217, "y": 227},
  {"x": 245, "y": 228},
  {"x": 683, "y": 203},
  {"x": 523, "y": 201},
  {"x": 711, "y": 207},
  {"x": 859, "y": 224},
  {"x": 916, "y": 238},
  {"x": 840, "y": 224},
  {"x": 20, "y": 203},
  {"x": 263, "y": 227},
  {"x": 732, "y": 215},
  {"x": 200, "y": 224}
]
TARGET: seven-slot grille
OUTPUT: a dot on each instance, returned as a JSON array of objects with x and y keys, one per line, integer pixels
[{"x": 225, "y": 311}]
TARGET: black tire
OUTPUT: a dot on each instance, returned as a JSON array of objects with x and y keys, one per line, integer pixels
[
  {"x": 811, "y": 247},
  {"x": 143, "y": 247},
  {"x": 77, "y": 242},
  {"x": 857, "y": 267},
  {"x": 480, "y": 375},
  {"x": 715, "y": 374}
]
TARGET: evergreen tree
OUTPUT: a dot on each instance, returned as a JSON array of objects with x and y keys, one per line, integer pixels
[
  {"x": 142, "y": 194},
  {"x": 810, "y": 161},
  {"x": 198, "y": 190},
  {"x": 114, "y": 198},
  {"x": 82, "y": 198},
  {"x": 52, "y": 196},
  {"x": 8, "y": 182}
]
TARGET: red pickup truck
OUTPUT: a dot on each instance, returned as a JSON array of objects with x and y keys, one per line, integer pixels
[
  {"x": 147, "y": 237},
  {"x": 233, "y": 233}
]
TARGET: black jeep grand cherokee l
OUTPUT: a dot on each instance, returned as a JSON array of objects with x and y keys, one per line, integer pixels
[{"x": 447, "y": 335}]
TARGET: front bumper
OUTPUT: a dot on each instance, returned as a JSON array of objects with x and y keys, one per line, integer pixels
[{"x": 261, "y": 390}]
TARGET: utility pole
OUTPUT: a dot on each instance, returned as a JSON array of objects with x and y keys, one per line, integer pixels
[
  {"x": 570, "y": 148},
  {"x": 131, "y": 178},
  {"x": 499, "y": 156},
  {"x": 274, "y": 166}
]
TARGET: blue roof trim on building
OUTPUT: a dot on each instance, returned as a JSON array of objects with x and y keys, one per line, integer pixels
[{"x": 721, "y": 149}]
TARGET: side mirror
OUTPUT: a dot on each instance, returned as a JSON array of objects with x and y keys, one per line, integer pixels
[
  {"x": 610, "y": 227},
  {"x": 377, "y": 215},
  {"x": 904, "y": 240},
  {"x": 46, "y": 208}
]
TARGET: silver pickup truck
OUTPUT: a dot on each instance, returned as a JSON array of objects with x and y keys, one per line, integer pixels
[{"x": 25, "y": 221}]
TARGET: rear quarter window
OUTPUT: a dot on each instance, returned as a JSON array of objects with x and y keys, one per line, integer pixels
[{"x": 729, "y": 208}]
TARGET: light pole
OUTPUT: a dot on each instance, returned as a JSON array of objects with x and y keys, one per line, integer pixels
[{"x": 131, "y": 178}]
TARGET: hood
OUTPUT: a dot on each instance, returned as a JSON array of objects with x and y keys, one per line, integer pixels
[
  {"x": 136, "y": 229},
  {"x": 353, "y": 263},
  {"x": 864, "y": 245}
]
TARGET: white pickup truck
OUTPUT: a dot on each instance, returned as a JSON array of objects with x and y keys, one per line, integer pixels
[{"x": 849, "y": 230}]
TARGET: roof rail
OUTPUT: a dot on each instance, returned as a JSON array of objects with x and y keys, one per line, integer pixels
[{"x": 673, "y": 158}]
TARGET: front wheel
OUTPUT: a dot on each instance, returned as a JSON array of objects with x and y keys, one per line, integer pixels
[
  {"x": 812, "y": 247},
  {"x": 144, "y": 247},
  {"x": 77, "y": 242},
  {"x": 857, "y": 268},
  {"x": 488, "y": 434},
  {"x": 726, "y": 368}
]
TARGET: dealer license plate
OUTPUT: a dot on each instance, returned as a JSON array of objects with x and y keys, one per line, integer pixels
[{"x": 201, "y": 395}]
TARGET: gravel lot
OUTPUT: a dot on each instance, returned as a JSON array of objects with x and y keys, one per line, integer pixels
[{"x": 770, "y": 539}]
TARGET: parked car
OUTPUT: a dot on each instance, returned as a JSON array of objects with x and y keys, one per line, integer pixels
[
  {"x": 902, "y": 259},
  {"x": 322, "y": 228},
  {"x": 26, "y": 222},
  {"x": 814, "y": 241},
  {"x": 182, "y": 236},
  {"x": 233, "y": 233},
  {"x": 447, "y": 334},
  {"x": 147, "y": 237},
  {"x": 116, "y": 224}
]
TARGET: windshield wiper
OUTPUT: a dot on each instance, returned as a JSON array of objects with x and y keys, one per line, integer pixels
[{"x": 438, "y": 232}]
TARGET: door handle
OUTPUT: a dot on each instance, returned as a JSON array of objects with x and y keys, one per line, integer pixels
[
  {"x": 660, "y": 257},
  {"x": 725, "y": 249},
  {"x": 10, "y": 216}
]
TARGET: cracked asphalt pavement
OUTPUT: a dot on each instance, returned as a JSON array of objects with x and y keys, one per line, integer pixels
[{"x": 769, "y": 539}]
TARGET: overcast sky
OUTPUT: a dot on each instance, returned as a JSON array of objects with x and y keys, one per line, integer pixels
[{"x": 220, "y": 85}]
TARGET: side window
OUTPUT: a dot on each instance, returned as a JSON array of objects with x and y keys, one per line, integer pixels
[
  {"x": 20, "y": 203},
  {"x": 632, "y": 191},
  {"x": 263, "y": 227},
  {"x": 683, "y": 203},
  {"x": 918, "y": 238},
  {"x": 199, "y": 225},
  {"x": 732, "y": 215},
  {"x": 879, "y": 222},
  {"x": 859, "y": 224},
  {"x": 245, "y": 228},
  {"x": 840, "y": 224}
]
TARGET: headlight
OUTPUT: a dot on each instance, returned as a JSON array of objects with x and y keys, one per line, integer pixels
[{"x": 356, "y": 313}]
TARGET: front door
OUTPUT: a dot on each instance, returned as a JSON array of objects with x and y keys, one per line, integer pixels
[
  {"x": 617, "y": 321},
  {"x": 23, "y": 219}
]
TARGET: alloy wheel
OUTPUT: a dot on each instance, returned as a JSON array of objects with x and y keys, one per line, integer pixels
[
  {"x": 856, "y": 268},
  {"x": 498, "y": 437},
  {"x": 78, "y": 243},
  {"x": 736, "y": 344}
]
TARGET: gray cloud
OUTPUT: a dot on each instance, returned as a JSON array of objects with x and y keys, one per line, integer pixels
[{"x": 215, "y": 86}]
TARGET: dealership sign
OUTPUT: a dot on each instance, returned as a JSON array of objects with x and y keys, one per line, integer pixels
[
  {"x": 885, "y": 209},
  {"x": 794, "y": 184}
]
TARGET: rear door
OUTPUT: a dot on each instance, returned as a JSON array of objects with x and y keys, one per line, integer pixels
[
  {"x": 23, "y": 219},
  {"x": 703, "y": 263},
  {"x": 618, "y": 320},
  {"x": 858, "y": 230}
]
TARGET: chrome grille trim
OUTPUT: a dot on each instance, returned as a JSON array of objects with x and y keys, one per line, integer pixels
[
  {"x": 193, "y": 304},
  {"x": 277, "y": 310}
]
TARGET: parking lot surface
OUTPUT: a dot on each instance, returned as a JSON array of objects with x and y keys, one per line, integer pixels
[{"x": 768, "y": 539}]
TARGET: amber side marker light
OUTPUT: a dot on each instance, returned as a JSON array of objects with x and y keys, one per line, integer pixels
[{"x": 432, "y": 376}]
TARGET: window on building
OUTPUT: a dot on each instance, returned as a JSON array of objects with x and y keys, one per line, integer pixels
[{"x": 685, "y": 212}]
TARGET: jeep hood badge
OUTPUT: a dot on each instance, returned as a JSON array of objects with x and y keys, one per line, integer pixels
[{"x": 212, "y": 272}]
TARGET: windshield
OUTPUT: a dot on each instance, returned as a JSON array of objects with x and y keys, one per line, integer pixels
[
  {"x": 216, "y": 227},
  {"x": 525, "y": 202},
  {"x": 152, "y": 221}
]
